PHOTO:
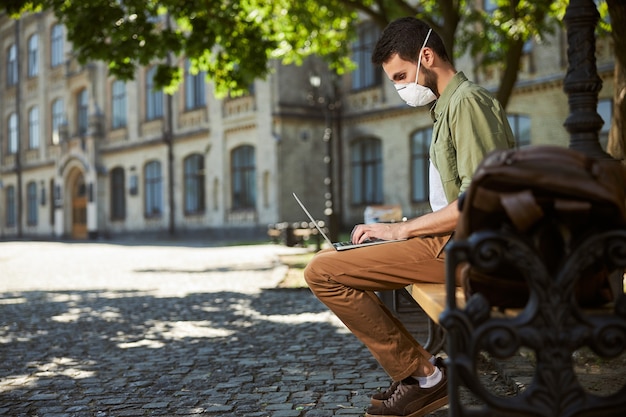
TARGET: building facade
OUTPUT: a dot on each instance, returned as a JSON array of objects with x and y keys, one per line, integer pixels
[{"x": 84, "y": 155}]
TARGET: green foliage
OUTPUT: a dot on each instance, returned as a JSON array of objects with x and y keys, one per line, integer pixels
[
  {"x": 232, "y": 41},
  {"x": 495, "y": 31}
]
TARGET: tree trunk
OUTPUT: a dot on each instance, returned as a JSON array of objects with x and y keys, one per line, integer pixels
[
  {"x": 511, "y": 71},
  {"x": 617, "y": 139}
]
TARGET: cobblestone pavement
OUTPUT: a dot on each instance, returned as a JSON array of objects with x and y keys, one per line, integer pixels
[
  {"x": 130, "y": 329},
  {"x": 105, "y": 329}
]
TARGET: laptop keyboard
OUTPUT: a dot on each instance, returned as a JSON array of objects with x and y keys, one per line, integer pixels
[{"x": 349, "y": 243}]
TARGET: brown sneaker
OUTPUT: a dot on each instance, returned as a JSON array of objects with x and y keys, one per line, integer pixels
[
  {"x": 378, "y": 398},
  {"x": 410, "y": 400}
]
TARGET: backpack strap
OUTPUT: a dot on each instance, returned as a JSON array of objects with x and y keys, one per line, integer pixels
[{"x": 522, "y": 209}]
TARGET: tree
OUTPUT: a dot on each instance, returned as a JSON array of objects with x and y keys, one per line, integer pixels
[
  {"x": 231, "y": 40},
  {"x": 617, "y": 137},
  {"x": 495, "y": 37}
]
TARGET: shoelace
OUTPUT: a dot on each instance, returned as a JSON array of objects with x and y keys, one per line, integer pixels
[
  {"x": 392, "y": 388},
  {"x": 401, "y": 389}
]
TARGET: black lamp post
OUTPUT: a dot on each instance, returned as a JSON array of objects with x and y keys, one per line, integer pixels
[
  {"x": 582, "y": 82},
  {"x": 329, "y": 104}
]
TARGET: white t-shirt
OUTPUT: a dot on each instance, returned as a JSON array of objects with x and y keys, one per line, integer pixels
[{"x": 437, "y": 195}]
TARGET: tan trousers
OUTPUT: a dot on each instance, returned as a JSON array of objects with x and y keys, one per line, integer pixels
[{"x": 345, "y": 281}]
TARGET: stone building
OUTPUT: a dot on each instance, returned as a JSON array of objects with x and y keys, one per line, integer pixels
[{"x": 83, "y": 155}]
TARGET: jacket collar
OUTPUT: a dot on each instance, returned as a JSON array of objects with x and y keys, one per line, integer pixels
[{"x": 444, "y": 99}]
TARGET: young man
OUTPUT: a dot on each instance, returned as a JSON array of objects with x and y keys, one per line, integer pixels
[{"x": 468, "y": 123}]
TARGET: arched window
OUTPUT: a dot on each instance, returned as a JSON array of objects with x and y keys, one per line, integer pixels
[
  {"x": 154, "y": 98},
  {"x": 58, "y": 119},
  {"x": 520, "y": 124},
  {"x": 153, "y": 186},
  {"x": 118, "y": 104},
  {"x": 366, "y": 74},
  {"x": 33, "y": 128},
  {"x": 367, "y": 171},
  {"x": 194, "y": 184},
  {"x": 12, "y": 73},
  {"x": 118, "y": 194},
  {"x": 82, "y": 112},
  {"x": 13, "y": 134},
  {"x": 33, "y": 55},
  {"x": 11, "y": 217},
  {"x": 420, "y": 161},
  {"x": 56, "y": 46},
  {"x": 243, "y": 168},
  {"x": 195, "y": 95},
  {"x": 31, "y": 203}
]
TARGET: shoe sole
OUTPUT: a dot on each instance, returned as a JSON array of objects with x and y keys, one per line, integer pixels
[
  {"x": 435, "y": 405},
  {"x": 375, "y": 402}
]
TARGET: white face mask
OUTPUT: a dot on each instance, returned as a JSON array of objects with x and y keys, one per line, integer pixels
[{"x": 415, "y": 94}]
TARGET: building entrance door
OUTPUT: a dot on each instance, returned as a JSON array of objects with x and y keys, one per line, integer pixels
[{"x": 79, "y": 208}]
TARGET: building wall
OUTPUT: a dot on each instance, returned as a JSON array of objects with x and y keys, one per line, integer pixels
[{"x": 284, "y": 119}]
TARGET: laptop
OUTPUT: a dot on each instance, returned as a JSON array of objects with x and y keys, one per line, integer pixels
[{"x": 341, "y": 245}]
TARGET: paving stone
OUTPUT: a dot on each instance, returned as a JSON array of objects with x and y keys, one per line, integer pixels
[{"x": 111, "y": 329}]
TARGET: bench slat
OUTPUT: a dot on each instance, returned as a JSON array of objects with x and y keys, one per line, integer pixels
[{"x": 432, "y": 298}]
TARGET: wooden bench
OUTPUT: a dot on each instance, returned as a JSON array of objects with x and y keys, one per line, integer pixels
[
  {"x": 296, "y": 233},
  {"x": 432, "y": 299}
]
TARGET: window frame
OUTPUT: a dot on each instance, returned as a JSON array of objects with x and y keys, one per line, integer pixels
[
  {"x": 118, "y": 194},
  {"x": 154, "y": 98},
  {"x": 13, "y": 134},
  {"x": 420, "y": 155},
  {"x": 82, "y": 112},
  {"x": 56, "y": 45},
  {"x": 10, "y": 210},
  {"x": 194, "y": 180},
  {"x": 364, "y": 170},
  {"x": 119, "y": 116},
  {"x": 243, "y": 177},
  {"x": 33, "y": 55},
  {"x": 57, "y": 119},
  {"x": 12, "y": 66},
  {"x": 34, "y": 137},
  {"x": 32, "y": 204},
  {"x": 195, "y": 88},
  {"x": 153, "y": 189},
  {"x": 514, "y": 120},
  {"x": 366, "y": 74}
]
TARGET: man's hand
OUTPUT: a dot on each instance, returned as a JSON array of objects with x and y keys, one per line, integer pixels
[
  {"x": 440, "y": 222},
  {"x": 374, "y": 231}
]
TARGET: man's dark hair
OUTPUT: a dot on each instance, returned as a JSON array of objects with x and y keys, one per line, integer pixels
[{"x": 405, "y": 37}]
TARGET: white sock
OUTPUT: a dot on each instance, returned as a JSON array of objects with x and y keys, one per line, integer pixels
[{"x": 430, "y": 380}]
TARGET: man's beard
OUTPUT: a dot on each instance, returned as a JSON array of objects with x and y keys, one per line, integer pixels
[{"x": 430, "y": 80}]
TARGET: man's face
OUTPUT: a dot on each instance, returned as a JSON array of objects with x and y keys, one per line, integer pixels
[{"x": 400, "y": 71}]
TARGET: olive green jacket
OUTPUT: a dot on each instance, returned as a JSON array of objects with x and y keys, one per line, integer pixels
[{"x": 468, "y": 123}]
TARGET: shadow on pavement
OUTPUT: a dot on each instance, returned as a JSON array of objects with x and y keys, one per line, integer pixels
[{"x": 97, "y": 353}]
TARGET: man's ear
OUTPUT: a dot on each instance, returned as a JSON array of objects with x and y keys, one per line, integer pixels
[{"x": 428, "y": 57}]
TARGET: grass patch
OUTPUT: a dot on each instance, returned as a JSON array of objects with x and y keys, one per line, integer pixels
[{"x": 294, "y": 278}]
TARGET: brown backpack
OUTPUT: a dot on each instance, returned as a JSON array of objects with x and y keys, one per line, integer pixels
[{"x": 530, "y": 190}]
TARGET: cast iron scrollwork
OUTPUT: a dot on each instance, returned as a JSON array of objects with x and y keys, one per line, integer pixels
[{"x": 552, "y": 324}]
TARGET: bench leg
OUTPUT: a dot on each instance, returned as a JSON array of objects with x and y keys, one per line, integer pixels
[
  {"x": 436, "y": 337},
  {"x": 436, "y": 334}
]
